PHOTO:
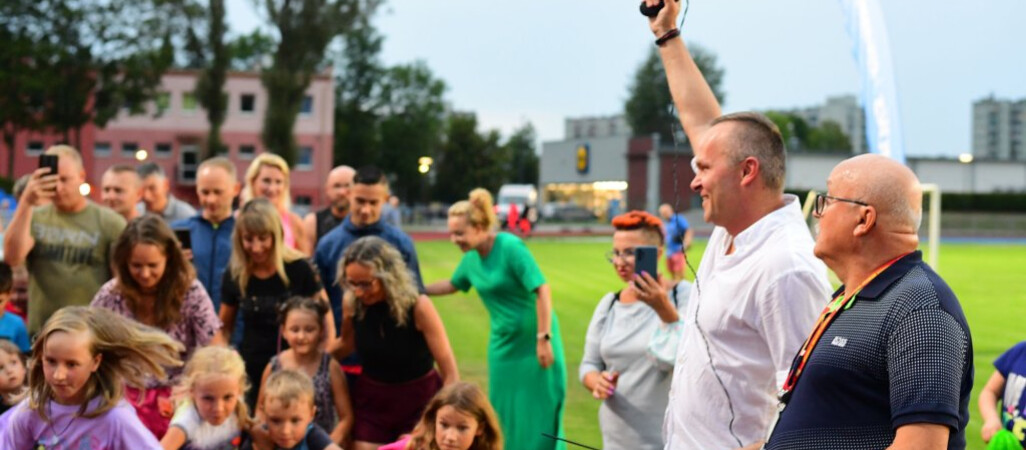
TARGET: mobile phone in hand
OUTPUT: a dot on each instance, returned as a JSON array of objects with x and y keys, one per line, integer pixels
[
  {"x": 50, "y": 162},
  {"x": 184, "y": 237},
  {"x": 646, "y": 259}
]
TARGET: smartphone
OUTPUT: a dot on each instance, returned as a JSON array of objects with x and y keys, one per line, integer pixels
[
  {"x": 48, "y": 161},
  {"x": 646, "y": 258},
  {"x": 184, "y": 237}
]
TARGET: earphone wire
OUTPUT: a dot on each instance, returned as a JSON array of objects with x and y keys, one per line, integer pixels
[{"x": 676, "y": 127}]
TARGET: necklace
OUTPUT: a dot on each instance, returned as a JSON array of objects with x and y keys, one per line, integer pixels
[{"x": 56, "y": 436}]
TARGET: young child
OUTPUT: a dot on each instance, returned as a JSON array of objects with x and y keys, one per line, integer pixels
[
  {"x": 13, "y": 387},
  {"x": 458, "y": 417},
  {"x": 1008, "y": 385},
  {"x": 302, "y": 326},
  {"x": 288, "y": 408},
  {"x": 212, "y": 414},
  {"x": 12, "y": 327},
  {"x": 83, "y": 357}
]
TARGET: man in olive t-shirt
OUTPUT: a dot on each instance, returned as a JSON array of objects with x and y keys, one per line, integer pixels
[{"x": 66, "y": 244}]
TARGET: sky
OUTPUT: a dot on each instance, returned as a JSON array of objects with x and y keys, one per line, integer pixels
[{"x": 541, "y": 62}]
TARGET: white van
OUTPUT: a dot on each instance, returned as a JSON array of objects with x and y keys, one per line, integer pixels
[{"x": 522, "y": 195}]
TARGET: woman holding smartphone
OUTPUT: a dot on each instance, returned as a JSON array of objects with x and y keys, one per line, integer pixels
[
  {"x": 525, "y": 352},
  {"x": 631, "y": 341}
]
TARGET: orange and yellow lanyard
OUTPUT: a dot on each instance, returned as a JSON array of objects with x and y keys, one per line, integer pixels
[{"x": 832, "y": 310}]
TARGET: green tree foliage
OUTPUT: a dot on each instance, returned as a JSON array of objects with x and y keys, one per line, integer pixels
[
  {"x": 523, "y": 166},
  {"x": 799, "y": 136},
  {"x": 249, "y": 51},
  {"x": 210, "y": 85},
  {"x": 305, "y": 28},
  {"x": 357, "y": 88},
  {"x": 99, "y": 56},
  {"x": 412, "y": 117},
  {"x": 649, "y": 106},
  {"x": 24, "y": 88},
  {"x": 469, "y": 159},
  {"x": 828, "y": 136}
]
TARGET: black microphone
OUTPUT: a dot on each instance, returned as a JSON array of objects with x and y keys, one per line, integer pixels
[{"x": 651, "y": 11}]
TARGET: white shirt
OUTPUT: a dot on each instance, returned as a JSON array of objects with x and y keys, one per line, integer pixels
[{"x": 749, "y": 313}]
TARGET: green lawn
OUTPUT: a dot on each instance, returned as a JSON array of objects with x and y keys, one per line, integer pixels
[{"x": 983, "y": 276}]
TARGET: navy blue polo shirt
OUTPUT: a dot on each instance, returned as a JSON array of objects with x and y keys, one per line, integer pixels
[
  {"x": 902, "y": 354},
  {"x": 211, "y": 251}
]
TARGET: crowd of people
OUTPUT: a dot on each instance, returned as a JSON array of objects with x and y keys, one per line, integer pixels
[{"x": 154, "y": 325}]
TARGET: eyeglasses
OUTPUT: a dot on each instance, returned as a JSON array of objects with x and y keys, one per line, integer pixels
[
  {"x": 359, "y": 285},
  {"x": 626, "y": 256},
  {"x": 821, "y": 203}
]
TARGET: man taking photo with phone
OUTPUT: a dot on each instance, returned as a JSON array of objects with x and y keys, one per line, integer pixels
[{"x": 65, "y": 244}]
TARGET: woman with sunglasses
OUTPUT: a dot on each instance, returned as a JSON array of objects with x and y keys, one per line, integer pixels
[
  {"x": 526, "y": 371},
  {"x": 263, "y": 273},
  {"x": 399, "y": 336},
  {"x": 631, "y": 341}
]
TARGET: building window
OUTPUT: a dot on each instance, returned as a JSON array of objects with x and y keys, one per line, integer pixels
[
  {"x": 305, "y": 160},
  {"x": 247, "y": 151},
  {"x": 163, "y": 102},
  {"x": 303, "y": 200},
  {"x": 307, "y": 106},
  {"x": 188, "y": 102},
  {"x": 34, "y": 148},
  {"x": 101, "y": 149},
  {"x": 247, "y": 103},
  {"x": 162, "y": 149},
  {"x": 128, "y": 149},
  {"x": 187, "y": 164}
]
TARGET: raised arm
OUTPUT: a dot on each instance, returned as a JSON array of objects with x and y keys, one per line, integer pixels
[
  {"x": 694, "y": 99},
  {"x": 440, "y": 287},
  {"x": 18, "y": 241}
]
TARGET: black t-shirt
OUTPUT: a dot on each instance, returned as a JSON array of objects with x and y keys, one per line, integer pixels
[
  {"x": 316, "y": 439},
  {"x": 390, "y": 353}
]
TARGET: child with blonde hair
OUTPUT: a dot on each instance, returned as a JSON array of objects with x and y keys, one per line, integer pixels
[
  {"x": 288, "y": 408},
  {"x": 83, "y": 358},
  {"x": 302, "y": 322},
  {"x": 211, "y": 412},
  {"x": 459, "y": 417},
  {"x": 13, "y": 386}
]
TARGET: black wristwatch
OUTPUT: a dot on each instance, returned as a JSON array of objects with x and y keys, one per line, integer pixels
[{"x": 544, "y": 336}]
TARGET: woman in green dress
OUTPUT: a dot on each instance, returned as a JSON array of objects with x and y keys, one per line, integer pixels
[{"x": 526, "y": 370}]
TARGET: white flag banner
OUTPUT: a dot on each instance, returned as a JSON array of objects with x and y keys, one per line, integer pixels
[{"x": 872, "y": 51}]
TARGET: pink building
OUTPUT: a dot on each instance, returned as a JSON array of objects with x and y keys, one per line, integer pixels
[{"x": 175, "y": 126}]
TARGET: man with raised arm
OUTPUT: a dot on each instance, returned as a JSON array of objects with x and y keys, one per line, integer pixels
[
  {"x": 759, "y": 287},
  {"x": 889, "y": 363}
]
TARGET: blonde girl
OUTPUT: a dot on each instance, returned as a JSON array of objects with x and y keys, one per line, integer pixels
[
  {"x": 262, "y": 275},
  {"x": 302, "y": 326},
  {"x": 459, "y": 417},
  {"x": 83, "y": 358},
  {"x": 268, "y": 177},
  {"x": 13, "y": 382},
  {"x": 211, "y": 413}
]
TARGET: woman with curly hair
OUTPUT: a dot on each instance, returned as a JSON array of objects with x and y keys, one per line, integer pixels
[
  {"x": 526, "y": 371},
  {"x": 631, "y": 341},
  {"x": 153, "y": 284},
  {"x": 398, "y": 334}
]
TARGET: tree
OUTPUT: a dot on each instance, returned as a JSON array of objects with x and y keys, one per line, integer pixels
[
  {"x": 793, "y": 128},
  {"x": 305, "y": 28},
  {"x": 523, "y": 166},
  {"x": 649, "y": 106},
  {"x": 411, "y": 121},
  {"x": 100, "y": 56},
  {"x": 25, "y": 89},
  {"x": 210, "y": 85},
  {"x": 828, "y": 136},
  {"x": 250, "y": 51},
  {"x": 357, "y": 88},
  {"x": 469, "y": 159}
]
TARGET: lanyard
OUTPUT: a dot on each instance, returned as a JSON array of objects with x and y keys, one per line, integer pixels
[{"x": 832, "y": 310}]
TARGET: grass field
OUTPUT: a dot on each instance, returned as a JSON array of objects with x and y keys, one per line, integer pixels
[{"x": 987, "y": 278}]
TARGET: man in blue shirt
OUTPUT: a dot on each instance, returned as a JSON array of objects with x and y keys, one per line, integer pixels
[
  {"x": 678, "y": 240},
  {"x": 366, "y": 199},
  {"x": 210, "y": 231},
  {"x": 889, "y": 363}
]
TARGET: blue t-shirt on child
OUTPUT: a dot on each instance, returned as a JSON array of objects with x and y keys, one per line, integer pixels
[
  {"x": 1012, "y": 365},
  {"x": 13, "y": 329}
]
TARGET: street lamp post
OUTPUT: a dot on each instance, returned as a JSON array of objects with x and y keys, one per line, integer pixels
[{"x": 967, "y": 159}]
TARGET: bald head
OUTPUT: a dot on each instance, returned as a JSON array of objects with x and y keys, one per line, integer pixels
[
  {"x": 665, "y": 211},
  {"x": 887, "y": 185},
  {"x": 336, "y": 187}
]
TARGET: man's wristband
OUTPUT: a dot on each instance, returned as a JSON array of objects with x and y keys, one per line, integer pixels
[{"x": 666, "y": 37}]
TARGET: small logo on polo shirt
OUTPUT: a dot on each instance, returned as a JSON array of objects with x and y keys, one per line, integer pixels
[{"x": 839, "y": 341}]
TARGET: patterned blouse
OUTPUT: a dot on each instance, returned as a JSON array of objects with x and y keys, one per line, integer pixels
[{"x": 195, "y": 328}]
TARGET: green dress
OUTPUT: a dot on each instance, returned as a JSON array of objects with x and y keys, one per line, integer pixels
[{"x": 528, "y": 399}]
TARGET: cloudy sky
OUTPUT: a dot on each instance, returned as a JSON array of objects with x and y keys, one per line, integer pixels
[{"x": 542, "y": 61}]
